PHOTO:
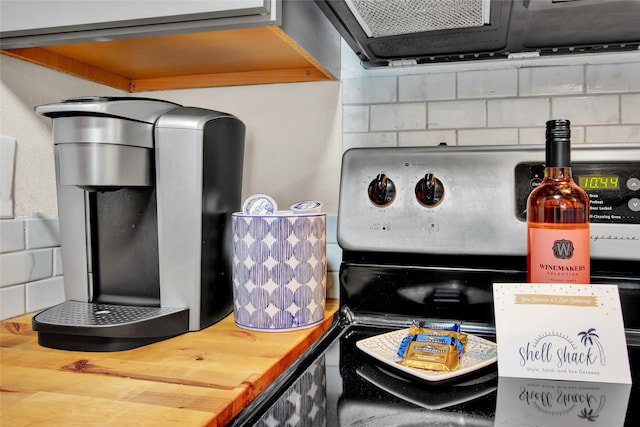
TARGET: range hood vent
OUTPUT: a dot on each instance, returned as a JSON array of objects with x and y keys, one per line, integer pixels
[
  {"x": 388, "y": 32},
  {"x": 392, "y": 17}
]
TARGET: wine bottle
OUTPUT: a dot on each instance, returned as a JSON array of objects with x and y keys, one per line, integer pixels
[{"x": 558, "y": 217}]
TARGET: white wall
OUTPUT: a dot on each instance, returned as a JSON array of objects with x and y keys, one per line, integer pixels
[
  {"x": 294, "y": 135},
  {"x": 293, "y": 141},
  {"x": 23, "y": 86}
]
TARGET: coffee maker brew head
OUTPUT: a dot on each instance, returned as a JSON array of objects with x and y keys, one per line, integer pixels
[{"x": 104, "y": 144}]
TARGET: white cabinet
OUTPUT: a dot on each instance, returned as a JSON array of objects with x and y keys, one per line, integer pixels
[
  {"x": 26, "y": 23},
  {"x": 141, "y": 45}
]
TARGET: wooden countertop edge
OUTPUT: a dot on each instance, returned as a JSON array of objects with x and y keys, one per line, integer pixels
[
  {"x": 255, "y": 385},
  {"x": 20, "y": 342}
]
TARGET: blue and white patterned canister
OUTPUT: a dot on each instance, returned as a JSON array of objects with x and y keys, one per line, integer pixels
[{"x": 279, "y": 270}]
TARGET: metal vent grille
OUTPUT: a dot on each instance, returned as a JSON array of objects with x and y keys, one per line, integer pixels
[{"x": 380, "y": 18}]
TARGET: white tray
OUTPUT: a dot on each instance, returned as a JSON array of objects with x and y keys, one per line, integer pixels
[{"x": 478, "y": 353}]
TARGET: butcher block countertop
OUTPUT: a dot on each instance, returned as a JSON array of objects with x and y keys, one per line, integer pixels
[{"x": 200, "y": 378}]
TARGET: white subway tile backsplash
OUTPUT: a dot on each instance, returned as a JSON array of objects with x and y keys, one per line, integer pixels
[
  {"x": 537, "y": 135},
  {"x": 560, "y": 80},
  {"x": 332, "y": 229},
  {"x": 630, "y": 108},
  {"x": 333, "y": 285},
  {"x": 398, "y": 116},
  {"x": 22, "y": 267},
  {"x": 613, "y": 77},
  {"x": 596, "y": 134},
  {"x": 12, "y": 302},
  {"x": 42, "y": 232},
  {"x": 355, "y": 118},
  {"x": 523, "y": 112},
  {"x": 457, "y": 114},
  {"x": 27, "y": 247},
  {"x": 488, "y": 137},
  {"x": 577, "y": 134},
  {"x": 369, "y": 90},
  {"x": 587, "y": 110},
  {"x": 487, "y": 84},
  {"x": 425, "y": 138},
  {"x": 504, "y": 105},
  {"x": 532, "y": 135},
  {"x": 57, "y": 262},
  {"x": 12, "y": 235},
  {"x": 371, "y": 139},
  {"x": 427, "y": 87},
  {"x": 334, "y": 257},
  {"x": 44, "y": 293}
]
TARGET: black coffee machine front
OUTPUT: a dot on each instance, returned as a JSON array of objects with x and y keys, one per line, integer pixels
[{"x": 146, "y": 189}]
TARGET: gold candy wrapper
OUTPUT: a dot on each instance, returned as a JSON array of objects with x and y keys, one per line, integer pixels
[
  {"x": 416, "y": 330},
  {"x": 433, "y": 345},
  {"x": 436, "y": 357}
]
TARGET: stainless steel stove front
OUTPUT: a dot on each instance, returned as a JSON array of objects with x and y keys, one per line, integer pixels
[{"x": 478, "y": 212}]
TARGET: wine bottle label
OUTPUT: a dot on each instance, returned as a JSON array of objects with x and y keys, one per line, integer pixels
[{"x": 559, "y": 253}]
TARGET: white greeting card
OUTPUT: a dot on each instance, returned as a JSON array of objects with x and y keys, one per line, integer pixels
[{"x": 560, "y": 332}]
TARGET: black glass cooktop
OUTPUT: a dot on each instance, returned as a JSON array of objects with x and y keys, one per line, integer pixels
[
  {"x": 339, "y": 385},
  {"x": 336, "y": 384}
]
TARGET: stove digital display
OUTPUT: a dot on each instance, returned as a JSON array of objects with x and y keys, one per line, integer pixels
[
  {"x": 613, "y": 188},
  {"x": 599, "y": 182}
]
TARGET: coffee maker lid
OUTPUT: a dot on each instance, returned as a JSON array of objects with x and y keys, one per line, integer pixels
[{"x": 132, "y": 108}]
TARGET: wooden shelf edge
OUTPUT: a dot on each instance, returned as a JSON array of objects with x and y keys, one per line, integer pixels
[
  {"x": 228, "y": 79},
  {"x": 302, "y": 52},
  {"x": 46, "y": 58}
]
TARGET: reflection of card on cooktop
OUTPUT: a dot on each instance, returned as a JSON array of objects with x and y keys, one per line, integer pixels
[{"x": 478, "y": 353}]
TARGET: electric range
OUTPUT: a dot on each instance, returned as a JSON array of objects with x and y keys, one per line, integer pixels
[{"x": 425, "y": 232}]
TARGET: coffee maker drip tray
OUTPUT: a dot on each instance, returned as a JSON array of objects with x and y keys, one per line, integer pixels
[{"x": 82, "y": 326}]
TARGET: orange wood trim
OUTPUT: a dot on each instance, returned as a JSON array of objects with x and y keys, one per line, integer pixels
[
  {"x": 249, "y": 56},
  {"x": 228, "y": 79},
  {"x": 44, "y": 57},
  {"x": 285, "y": 37}
]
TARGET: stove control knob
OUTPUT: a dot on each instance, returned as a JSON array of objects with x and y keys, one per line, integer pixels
[
  {"x": 429, "y": 191},
  {"x": 382, "y": 191}
]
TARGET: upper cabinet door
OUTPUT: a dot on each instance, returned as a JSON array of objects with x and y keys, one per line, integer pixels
[{"x": 26, "y": 23}]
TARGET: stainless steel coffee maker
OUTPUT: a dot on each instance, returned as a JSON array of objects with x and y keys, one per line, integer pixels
[{"x": 146, "y": 189}]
